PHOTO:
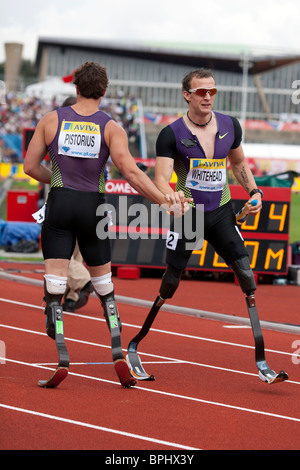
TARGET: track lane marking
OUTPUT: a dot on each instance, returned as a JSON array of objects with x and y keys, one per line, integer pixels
[
  {"x": 98, "y": 428},
  {"x": 281, "y": 327},
  {"x": 171, "y": 359},
  {"x": 171, "y": 333},
  {"x": 173, "y": 395}
]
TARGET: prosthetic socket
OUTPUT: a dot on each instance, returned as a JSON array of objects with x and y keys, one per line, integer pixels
[
  {"x": 241, "y": 267},
  {"x": 54, "y": 289},
  {"x": 170, "y": 282},
  {"x": 104, "y": 289},
  {"x": 110, "y": 310}
]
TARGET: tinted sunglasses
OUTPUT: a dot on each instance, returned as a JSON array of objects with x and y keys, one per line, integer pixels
[{"x": 202, "y": 91}]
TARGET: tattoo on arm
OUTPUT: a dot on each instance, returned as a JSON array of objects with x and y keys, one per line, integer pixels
[{"x": 245, "y": 179}]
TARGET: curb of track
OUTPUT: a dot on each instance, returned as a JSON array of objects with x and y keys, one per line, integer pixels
[{"x": 268, "y": 325}]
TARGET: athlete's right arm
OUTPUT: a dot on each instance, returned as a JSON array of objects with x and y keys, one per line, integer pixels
[
  {"x": 36, "y": 152},
  {"x": 117, "y": 141},
  {"x": 164, "y": 168},
  {"x": 163, "y": 173},
  {"x": 164, "y": 165}
]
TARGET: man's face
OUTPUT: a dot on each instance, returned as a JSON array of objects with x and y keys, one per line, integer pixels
[{"x": 201, "y": 103}]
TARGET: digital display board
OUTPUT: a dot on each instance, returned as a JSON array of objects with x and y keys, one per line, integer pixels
[{"x": 27, "y": 135}]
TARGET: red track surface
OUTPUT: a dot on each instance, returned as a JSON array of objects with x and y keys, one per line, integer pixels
[{"x": 206, "y": 395}]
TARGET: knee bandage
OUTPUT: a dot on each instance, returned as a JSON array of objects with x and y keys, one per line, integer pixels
[
  {"x": 170, "y": 282},
  {"x": 244, "y": 274},
  {"x": 103, "y": 285},
  {"x": 55, "y": 285}
]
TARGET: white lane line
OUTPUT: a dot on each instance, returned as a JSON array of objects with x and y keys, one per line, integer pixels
[
  {"x": 99, "y": 345},
  {"x": 104, "y": 363},
  {"x": 171, "y": 333},
  {"x": 98, "y": 428},
  {"x": 282, "y": 327},
  {"x": 236, "y": 327}
]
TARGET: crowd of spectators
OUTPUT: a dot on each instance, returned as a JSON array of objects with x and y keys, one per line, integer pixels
[
  {"x": 21, "y": 112},
  {"x": 124, "y": 110}
]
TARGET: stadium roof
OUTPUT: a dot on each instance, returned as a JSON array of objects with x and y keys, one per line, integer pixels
[{"x": 215, "y": 56}]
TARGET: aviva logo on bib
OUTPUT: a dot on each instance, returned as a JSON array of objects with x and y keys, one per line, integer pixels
[
  {"x": 208, "y": 164},
  {"x": 84, "y": 127}
]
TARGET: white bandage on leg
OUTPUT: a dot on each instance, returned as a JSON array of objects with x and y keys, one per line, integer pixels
[
  {"x": 103, "y": 285},
  {"x": 55, "y": 284}
]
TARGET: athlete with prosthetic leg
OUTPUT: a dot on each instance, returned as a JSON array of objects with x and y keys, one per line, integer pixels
[
  {"x": 197, "y": 146},
  {"x": 79, "y": 139}
]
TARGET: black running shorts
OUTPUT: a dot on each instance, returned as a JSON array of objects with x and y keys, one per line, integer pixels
[
  {"x": 71, "y": 215},
  {"x": 219, "y": 230}
]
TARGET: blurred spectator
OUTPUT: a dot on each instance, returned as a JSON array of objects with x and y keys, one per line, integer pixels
[
  {"x": 124, "y": 110},
  {"x": 20, "y": 112},
  {"x": 16, "y": 114}
]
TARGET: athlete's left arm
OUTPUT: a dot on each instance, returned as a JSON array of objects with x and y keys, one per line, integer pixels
[{"x": 244, "y": 175}]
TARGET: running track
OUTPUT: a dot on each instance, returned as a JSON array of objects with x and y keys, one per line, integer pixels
[{"x": 206, "y": 395}]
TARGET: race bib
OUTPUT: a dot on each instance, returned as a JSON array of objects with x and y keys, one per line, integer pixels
[
  {"x": 172, "y": 240},
  {"x": 39, "y": 216},
  {"x": 207, "y": 174},
  {"x": 79, "y": 139}
]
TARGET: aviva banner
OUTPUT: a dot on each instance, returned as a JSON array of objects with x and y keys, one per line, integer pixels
[{"x": 15, "y": 170}]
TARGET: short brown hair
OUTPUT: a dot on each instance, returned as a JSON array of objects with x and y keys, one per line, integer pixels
[
  {"x": 91, "y": 80},
  {"x": 69, "y": 101},
  {"x": 199, "y": 73}
]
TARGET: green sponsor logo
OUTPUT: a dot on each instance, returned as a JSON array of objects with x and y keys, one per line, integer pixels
[
  {"x": 113, "y": 320},
  {"x": 59, "y": 327}
]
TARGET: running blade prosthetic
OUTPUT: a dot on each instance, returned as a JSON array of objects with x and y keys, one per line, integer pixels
[
  {"x": 123, "y": 373},
  {"x": 265, "y": 374},
  {"x": 58, "y": 376},
  {"x": 268, "y": 375},
  {"x": 132, "y": 358},
  {"x": 134, "y": 363},
  {"x": 114, "y": 324},
  {"x": 62, "y": 369}
]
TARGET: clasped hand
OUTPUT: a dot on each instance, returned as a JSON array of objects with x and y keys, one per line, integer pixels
[{"x": 176, "y": 203}]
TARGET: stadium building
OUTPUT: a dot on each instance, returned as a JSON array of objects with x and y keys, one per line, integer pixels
[
  {"x": 153, "y": 72},
  {"x": 259, "y": 87}
]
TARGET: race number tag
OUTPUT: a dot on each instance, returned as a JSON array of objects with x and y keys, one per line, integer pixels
[
  {"x": 207, "y": 174},
  {"x": 79, "y": 139},
  {"x": 39, "y": 216},
  {"x": 172, "y": 239}
]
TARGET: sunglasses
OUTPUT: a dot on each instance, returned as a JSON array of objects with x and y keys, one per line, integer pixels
[{"x": 202, "y": 91}]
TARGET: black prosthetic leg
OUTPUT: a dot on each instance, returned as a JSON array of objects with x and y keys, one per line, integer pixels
[
  {"x": 169, "y": 284},
  {"x": 244, "y": 274},
  {"x": 55, "y": 330},
  {"x": 111, "y": 315}
]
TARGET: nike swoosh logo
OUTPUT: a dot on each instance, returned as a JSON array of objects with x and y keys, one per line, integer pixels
[{"x": 222, "y": 136}]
